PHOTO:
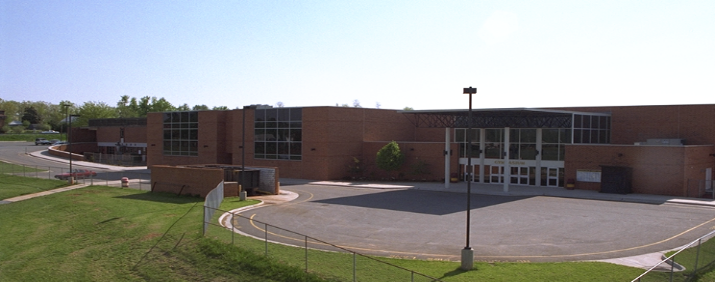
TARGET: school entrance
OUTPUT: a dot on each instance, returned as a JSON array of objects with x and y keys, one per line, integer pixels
[{"x": 514, "y": 146}]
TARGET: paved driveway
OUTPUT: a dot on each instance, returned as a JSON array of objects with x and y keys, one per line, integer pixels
[{"x": 410, "y": 223}]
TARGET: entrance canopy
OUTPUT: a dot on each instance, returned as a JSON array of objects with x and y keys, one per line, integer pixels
[{"x": 494, "y": 118}]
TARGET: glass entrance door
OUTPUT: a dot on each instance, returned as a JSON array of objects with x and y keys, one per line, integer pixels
[
  {"x": 496, "y": 174},
  {"x": 522, "y": 175},
  {"x": 552, "y": 176}
]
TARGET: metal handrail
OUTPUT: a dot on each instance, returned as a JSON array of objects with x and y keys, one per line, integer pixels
[{"x": 672, "y": 264}]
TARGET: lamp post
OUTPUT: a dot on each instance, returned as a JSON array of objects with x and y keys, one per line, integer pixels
[
  {"x": 467, "y": 252},
  {"x": 67, "y": 118},
  {"x": 69, "y": 147},
  {"x": 242, "y": 194}
]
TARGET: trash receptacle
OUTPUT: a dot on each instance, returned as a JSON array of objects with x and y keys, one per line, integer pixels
[{"x": 125, "y": 182}]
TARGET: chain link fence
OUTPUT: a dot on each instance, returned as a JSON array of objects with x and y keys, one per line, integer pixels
[
  {"x": 332, "y": 262},
  {"x": 138, "y": 179},
  {"x": 685, "y": 264}
]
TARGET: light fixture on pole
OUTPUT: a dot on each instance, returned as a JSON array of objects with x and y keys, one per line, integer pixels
[{"x": 467, "y": 252}]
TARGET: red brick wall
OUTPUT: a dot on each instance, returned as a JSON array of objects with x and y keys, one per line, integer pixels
[
  {"x": 662, "y": 170},
  {"x": 331, "y": 137},
  {"x": 630, "y": 124},
  {"x": 429, "y": 153},
  {"x": 154, "y": 140},
  {"x": 132, "y": 134},
  {"x": 188, "y": 181}
]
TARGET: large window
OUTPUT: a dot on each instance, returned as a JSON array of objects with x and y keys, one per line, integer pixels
[
  {"x": 277, "y": 133},
  {"x": 554, "y": 140},
  {"x": 591, "y": 129},
  {"x": 494, "y": 143},
  {"x": 522, "y": 144},
  {"x": 180, "y": 134},
  {"x": 463, "y": 139}
]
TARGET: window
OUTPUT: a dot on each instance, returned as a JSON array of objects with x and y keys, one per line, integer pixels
[
  {"x": 277, "y": 134},
  {"x": 591, "y": 129},
  {"x": 180, "y": 133},
  {"x": 522, "y": 144},
  {"x": 554, "y": 140},
  {"x": 462, "y": 139}
]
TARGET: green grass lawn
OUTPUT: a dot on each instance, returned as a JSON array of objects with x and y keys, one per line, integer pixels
[
  {"x": 6, "y": 168},
  {"x": 12, "y": 186},
  {"x": 102, "y": 233}
]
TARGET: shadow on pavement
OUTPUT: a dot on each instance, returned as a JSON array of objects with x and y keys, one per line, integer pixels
[{"x": 423, "y": 202}]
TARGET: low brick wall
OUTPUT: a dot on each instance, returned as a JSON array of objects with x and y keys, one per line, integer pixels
[
  {"x": 61, "y": 151},
  {"x": 198, "y": 180},
  {"x": 191, "y": 181}
]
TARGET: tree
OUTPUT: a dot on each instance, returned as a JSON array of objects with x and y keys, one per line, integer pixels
[
  {"x": 220, "y": 108},
  {"x": 30, "y": 114},
  {"x": 93, "y": 110},
  {"x": 407, "y": 108},
  {"x": 279, "y": 104},
  {"x": 357, "y": 103},
  {"x": 161, "y": 105},
  {"x": 389, "y": 158},
  {"x": 378, "y": 105},
  {"x": 127, "y": 107},
  {"x": 184, "y": 107},
  {"x": 200, "y": 107}
]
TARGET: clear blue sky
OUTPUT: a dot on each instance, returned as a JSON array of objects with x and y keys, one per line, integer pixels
[{"x": 395, "y": 53}]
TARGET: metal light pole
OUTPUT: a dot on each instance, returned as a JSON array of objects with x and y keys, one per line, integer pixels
[
  {"x": 67, "y": 118},
  {"x": 69, "y": 147},
  {"x": 467, "y": 252},
  {"x": 242, "y": 194}
]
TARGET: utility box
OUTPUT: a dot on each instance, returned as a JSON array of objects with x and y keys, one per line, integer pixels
[
  {"x": 616, "y": 179},
  {"x": 251, "y": 184}
]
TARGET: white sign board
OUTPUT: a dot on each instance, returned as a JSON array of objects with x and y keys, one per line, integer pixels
[{"x": 588, "y": 175}]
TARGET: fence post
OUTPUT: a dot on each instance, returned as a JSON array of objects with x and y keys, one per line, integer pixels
[
  {"x": 672, "y": 266},
  {"x": 266, "y": 240},
  {"x": 306, "y": 254},
  {"x": 23, "y": 170},
  {"x": 354, "y": 254},
  {"x": 697, "y": 258},
  {"x": 232, "y": 230},
  {"x": 37, "y": 173}
]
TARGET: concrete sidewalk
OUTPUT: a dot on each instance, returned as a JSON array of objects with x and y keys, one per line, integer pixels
[
  {"x": 42, "y": 193},
  {"x": 45, "y": 154}
]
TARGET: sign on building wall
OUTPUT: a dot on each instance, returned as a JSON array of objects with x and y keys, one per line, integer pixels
[{"x": 588, "y": 175}]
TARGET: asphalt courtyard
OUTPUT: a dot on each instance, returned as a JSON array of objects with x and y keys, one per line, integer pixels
[{"x": 424, "y": 224}]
